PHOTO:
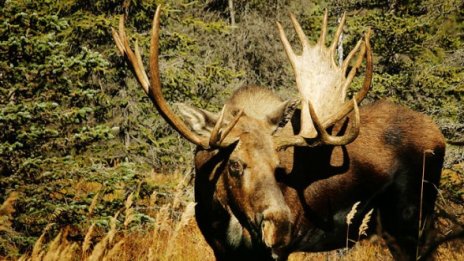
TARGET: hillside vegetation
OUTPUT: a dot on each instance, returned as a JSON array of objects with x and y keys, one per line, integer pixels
[{"x": 77, "y": 132}]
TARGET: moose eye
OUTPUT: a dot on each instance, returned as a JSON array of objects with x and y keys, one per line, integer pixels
[{"x": 236, "y": 168}]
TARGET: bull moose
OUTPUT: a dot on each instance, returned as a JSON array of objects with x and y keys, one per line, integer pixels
[{"x": 275, "y": 177}]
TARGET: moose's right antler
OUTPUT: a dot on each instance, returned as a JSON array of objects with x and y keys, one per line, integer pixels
[
  {"x": 153, "y": 87},
  {"x": 323, "y": 84}
]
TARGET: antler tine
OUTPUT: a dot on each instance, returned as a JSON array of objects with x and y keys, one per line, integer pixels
[
  {"x": 140, "y": 63},
  {"x": 215, "y": 133},
  {"x": 353, "y": 70},
  {"x": 348, "y": 106},
  {"x": 287, "y": 47},
  {"x": 299, "y": 31},
  {"x": 217, "y": 136},
  {"x": 118, "y": 41},
  {"x": 347, "y": 60},
  {"x": 337, "y": 34},
  {"x": 123, "y": 45},
  {"x": 328, "y": 139},
  {"x": 369, "y": 69},
  {"x": 228, "y": 128},
  {"x": 321, "y": 40}
]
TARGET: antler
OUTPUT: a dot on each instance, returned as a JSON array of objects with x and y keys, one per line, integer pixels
[
  {"x": 323, "y": 84},
  {"x": 153, "y": 88}
]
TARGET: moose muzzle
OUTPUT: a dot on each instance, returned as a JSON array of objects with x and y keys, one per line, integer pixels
[{"x": 276, "y": 228}]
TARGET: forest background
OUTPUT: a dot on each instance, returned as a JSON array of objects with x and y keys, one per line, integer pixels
[{"x": 75, "y": 126}]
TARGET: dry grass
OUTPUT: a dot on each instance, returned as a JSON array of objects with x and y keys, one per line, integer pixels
[
  {"x": 6, "y": 213},
  {"x": 349, "y": 219},
  {"x": 188, "y": 244},
  {"x": 174, "y": 235},
  {"x": 366, "y": 250}
]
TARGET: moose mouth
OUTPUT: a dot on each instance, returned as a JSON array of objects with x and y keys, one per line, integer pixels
[{"x": 275, "y": 225}]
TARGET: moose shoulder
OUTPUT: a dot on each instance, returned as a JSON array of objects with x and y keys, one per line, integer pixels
[{"x": 272, "y": 179}]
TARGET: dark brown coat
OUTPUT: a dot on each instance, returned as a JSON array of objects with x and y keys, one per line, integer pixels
[{"x": 382, "y": 169}]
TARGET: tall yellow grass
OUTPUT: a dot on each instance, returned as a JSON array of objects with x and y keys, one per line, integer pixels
[{"x": 174, "y": 235}]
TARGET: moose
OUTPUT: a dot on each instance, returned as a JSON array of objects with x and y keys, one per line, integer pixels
[{"x": 278, "y": 176}]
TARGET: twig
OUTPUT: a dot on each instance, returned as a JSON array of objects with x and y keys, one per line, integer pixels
[
  {"x": 232, "y": 12},
  {"x": 421, "y": 201}
]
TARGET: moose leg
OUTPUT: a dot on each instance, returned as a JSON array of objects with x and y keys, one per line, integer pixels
[
  {"x": 401, "y": 232},
  {"x": 399, "y": 221},
  {"x": 408, "y": 200}
]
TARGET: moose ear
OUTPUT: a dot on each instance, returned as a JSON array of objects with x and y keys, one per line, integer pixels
[
  {"x": 200, "y": 121},
  {"x": 282, "y": 114}
]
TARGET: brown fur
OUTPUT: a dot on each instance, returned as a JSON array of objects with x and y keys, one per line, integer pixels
[
  {"x": 257, "y": 102},
  {"x": 297, "y": 199}
]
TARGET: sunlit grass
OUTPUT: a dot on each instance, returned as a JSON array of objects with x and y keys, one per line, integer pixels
[{"x": 174, "y": 235}]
